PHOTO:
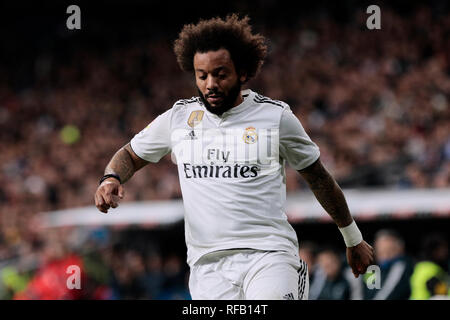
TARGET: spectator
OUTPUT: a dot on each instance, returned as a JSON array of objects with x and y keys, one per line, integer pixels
[
  {"x": 175, "y": 284},
  {"x": 395, "y": 268},
  {"x": 50, "y": 281},
  {"x": 430, "y": 278},
  {"x": 155, "y": 276},
  {"x": 308, "y": 253},
  {"x": 330, "y": 282}
]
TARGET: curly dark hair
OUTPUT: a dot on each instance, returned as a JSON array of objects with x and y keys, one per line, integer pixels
[{"x": 247, "y": 50}]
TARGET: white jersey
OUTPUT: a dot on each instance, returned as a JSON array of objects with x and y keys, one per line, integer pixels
[{"x": 231, "y": 170}]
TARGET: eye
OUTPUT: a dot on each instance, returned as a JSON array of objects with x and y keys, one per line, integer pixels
[{"x": 202, "y": 77}]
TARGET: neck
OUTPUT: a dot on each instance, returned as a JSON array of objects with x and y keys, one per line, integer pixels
[{"x": 239, "y": 99}]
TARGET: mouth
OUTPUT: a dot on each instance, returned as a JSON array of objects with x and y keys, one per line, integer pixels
[{"x": 214, "y": 98}]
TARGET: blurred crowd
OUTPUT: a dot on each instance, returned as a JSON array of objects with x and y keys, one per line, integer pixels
[
  {"x": 110, "y": 266},
  {"x": 115, "y": 266},
  {"x": 376, "y": 102},
  {"x": 395, "y": 275}
]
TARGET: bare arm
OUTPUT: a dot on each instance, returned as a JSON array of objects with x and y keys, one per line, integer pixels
[
  {"x": 331, "y": 197},
  {"x": 124, "y": 163},
  {"x": 328, "y": 193}
]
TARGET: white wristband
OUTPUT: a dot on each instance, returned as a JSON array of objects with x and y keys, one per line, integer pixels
[{"x": 352, "y": 235}]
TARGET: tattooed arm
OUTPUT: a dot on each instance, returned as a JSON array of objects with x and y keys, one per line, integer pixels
[
  {"x": 124, "y": 163},
  {"x": 331, "y": 197},
  {"x": 328, "y": 193}
]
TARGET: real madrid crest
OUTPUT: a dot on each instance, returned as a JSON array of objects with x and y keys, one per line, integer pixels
[
  {"x": 250, "y": 135},
  {"x": 195, "y": 118}
]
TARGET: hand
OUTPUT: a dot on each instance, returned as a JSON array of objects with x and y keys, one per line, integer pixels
[
  {"x": 108, "y": 195},
  {"x": 360, "y": 257}
]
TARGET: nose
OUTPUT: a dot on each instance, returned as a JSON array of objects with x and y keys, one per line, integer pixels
[{"x": 211, "y": 83}]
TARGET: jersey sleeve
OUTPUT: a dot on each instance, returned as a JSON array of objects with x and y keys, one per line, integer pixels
[
  {"x": 295, "y": 145},
  {"x": 153, "y": 142}
]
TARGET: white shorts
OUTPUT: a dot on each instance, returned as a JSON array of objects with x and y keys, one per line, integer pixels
[{"x": 247, "y": 274}]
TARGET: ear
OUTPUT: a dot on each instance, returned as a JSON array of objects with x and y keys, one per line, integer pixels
[{"x": 243, "y": 78}]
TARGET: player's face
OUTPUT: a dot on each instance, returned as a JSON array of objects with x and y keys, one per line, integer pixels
[{"x": 217, "y": 80}]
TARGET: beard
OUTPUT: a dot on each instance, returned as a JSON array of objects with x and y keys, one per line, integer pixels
[{"x": 227, "y": 103}]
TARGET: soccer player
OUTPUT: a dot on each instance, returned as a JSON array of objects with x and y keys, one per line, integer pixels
[{"x": 230, "y": 146}]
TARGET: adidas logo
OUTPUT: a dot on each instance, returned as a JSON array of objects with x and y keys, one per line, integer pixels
[
  {"x": 191, "y": 136},
  {"x": 288, "y": 296}
]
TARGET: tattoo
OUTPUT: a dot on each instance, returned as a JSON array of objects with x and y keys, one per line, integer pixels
[
  {"x": 328, "y": 193},
  {"x": 121, "y": 164}
]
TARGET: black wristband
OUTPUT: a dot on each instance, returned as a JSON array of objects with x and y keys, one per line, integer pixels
[{"x": 111, "y": 175}]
